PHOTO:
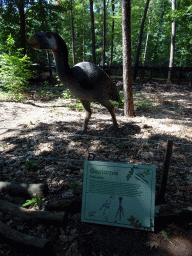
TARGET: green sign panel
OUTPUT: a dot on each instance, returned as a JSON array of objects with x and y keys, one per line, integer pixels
[{"x": 119, "y": 194}]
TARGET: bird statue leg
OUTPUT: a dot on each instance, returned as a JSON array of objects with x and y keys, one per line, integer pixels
[
  {"x": 86, "y": 105},
  {"x": 111, "y": 110},
  {"x": 107, "y": 104}
]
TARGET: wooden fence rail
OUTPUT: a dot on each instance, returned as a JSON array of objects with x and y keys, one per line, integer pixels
[
  {"x": 144, "y": 72},
  {"x": 151, "y": 72}
]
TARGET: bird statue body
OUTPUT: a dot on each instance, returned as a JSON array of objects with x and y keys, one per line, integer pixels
[{"x": 85, "y": 80}]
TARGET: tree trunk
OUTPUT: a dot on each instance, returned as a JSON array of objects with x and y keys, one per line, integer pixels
[
  {"x": 104, "y": 33},
  {"x": 83, "y": 30},
  {"x": 172, "y": 50},
  {"x": 190, "y": 79},
  {"x": 92, "y": 32},
  {"x": 112, "y": 31},
  {"x": 156, "y": 42},
  {"x": 44, "y": 28},
  {"x": 72, "y": 34},
  {"x": 145, "y": 52},
  {"x": 140, "y": 40},
  {"x": 20, "y": 5},
  {"x": 127, "y": 72}
]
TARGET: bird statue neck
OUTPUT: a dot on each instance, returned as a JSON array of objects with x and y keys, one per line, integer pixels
[{"x": 61, "y": 60}]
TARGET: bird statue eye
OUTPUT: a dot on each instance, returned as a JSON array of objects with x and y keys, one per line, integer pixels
[{"x": 49, "y": 35}]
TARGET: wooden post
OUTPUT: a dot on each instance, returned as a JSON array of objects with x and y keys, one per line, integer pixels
[{"x": 166, "y": 163}]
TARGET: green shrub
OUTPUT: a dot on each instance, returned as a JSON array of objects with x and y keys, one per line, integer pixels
[
  {"x": 34, "y": 201},
  {"x": 14, "y": 69}
]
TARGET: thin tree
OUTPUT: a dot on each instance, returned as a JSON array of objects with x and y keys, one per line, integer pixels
[
  {"x": 83, "y": 30},
  {"x": 92, "y": 32},
  {"x": 72, "y": 34},
  {"x": 127, "y": 72},
  {"x": 160, "y": 31},
  {"x": 146, "y": 44},
  {"x": 42, "y": 14},
  {"x": 21, "y": 5},
  {"x": 112, "y": 30},
  {"x": 172, "y": 49},
  {"x": 140, "y": 40},
  {"x": 104, "y": 33}
]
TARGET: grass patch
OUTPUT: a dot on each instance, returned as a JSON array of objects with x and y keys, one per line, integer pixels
[{"x": 143, "y": 105}]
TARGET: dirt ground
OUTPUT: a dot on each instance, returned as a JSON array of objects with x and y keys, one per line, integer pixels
[{"x": 40, "y": 142}]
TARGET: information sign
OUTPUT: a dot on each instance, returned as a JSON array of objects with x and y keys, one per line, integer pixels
[{"x": 119, "y": 194}]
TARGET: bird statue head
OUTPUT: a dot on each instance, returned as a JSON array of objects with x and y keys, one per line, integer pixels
[{"x": 49, "y": 41}]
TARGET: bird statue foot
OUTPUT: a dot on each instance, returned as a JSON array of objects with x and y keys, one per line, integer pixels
[
  {"x": 113, "y": 129},
  {"x": 83, "y": 131}
]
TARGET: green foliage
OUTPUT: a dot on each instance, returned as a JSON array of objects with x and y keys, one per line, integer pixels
[
  {"x": 74, "y": 186},
  {"x": 67, "y": 94},
  {"x": 165, "y": 236},
  {"x": 5, "y": 146},
  {"x": 121, "y": 145},
  {"x": 143, "y": 104},
  {"x": 14, "y": 71},
  {"x": 118, "y": 104},
  {"x": 30, "y": 163},
  {"x": 78, "y": 105},
  {"x": 41, "y": 16},
  {"x": 34, "y": 201}
]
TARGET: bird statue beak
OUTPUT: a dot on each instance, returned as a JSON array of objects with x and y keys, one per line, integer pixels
[{"x": 33, "y": 42}]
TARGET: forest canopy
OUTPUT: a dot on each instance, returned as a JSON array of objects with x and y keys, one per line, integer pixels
[{"x": 20, "y": 19}]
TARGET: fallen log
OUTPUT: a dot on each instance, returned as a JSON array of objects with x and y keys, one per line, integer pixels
[
  {"x": 67, "y": 205},
  {"x": 170, "y": 215},
  {"x": 21, "y": 238},
  {"x": 29, "y": 190},
  {"x": 32, "y": 215}
]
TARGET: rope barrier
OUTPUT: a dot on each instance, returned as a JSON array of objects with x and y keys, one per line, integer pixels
[
  {"x": 89, "y": 136},
  {"x": 95, "y": 136},
  {"x": 80, "y": 160}
]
